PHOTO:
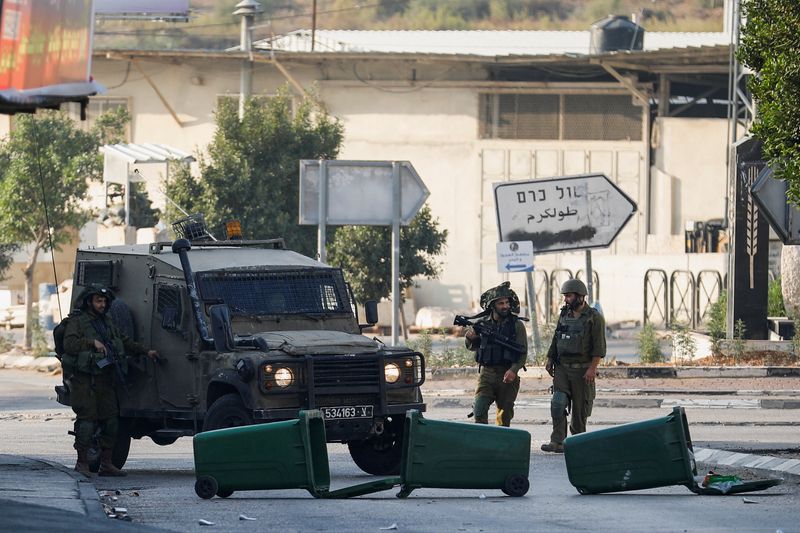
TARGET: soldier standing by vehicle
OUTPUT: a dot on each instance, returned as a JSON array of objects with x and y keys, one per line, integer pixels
[
  {"x": 578, "y": 345},
  {"x": 498, "y": 381},
  {"x": 94, "y": 365}
]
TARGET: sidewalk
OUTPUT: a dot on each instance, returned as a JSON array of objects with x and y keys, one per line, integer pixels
[{"x": 37, "y": 495}]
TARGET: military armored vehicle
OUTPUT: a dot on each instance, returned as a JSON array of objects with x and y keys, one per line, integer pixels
[{"x": 250, "y": 332}]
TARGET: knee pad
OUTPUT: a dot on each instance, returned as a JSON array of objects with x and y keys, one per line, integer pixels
[{"x": 558, "y": 404}]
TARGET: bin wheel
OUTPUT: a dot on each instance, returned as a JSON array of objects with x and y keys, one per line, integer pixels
[
  {"x": 224, "y": 493},
  {"x": 206, "y": 487},
  {"x": 516, "y": 485},
  {"x": 582, "y": 490}
]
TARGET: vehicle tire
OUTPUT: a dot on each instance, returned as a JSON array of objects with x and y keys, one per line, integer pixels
[
  {"x": 516, "y": 485},
  {"x": 380, "y": 455},
  {"x": 163, "y": 441},
  {"x": 224, "y": 493},
  {"x": 206, "y": 487},
  {"x": 227, "y": 412},
  {"x": 122, "y": 446}
]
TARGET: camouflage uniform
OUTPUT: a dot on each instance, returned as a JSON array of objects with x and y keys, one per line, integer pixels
[
  {"x": 576, "y": 342},
  {"x": 497, "y": 360},
  {"x": 93, "y": 389}
]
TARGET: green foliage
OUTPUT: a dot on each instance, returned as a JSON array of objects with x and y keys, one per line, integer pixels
[
  {"x": 775, "y": 298},
  {"x": 364, "y": 253},
  {"x": 6, "y": 257},
  {"x": 453, "y": 354},
  {"x": 546, "y": 332},
  {"x": 738, "y": 345},
  {"x": 717, "y": 322},
  {"x": 684, "y": 346},
  {"x": 770, "y": 45},
  {"x": 46, "y": 160},
  {"x": 143, "y": 215},
  {"x": 39, "y": 345},
  {"x": 649, "y": 347},
  {"x": 251, "y": 171},
  {"x": 6, "y": 343},
  {"x": 48, "y": 155}
]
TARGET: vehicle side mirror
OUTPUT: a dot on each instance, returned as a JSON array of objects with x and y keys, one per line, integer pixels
[
  {"x": 371, "y": 312},
  {"x": 221, "y": 328}
]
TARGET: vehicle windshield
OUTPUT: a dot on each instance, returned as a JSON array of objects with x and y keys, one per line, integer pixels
[{"x": 270, "y": 292}]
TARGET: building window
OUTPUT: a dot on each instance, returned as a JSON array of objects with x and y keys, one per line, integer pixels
[{"x": 569, "y": 117}]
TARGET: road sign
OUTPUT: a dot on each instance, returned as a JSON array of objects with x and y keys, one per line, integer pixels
[
  {"x": 515, "y": 256},
  {"x": 565, "y": 213},
  {"x": 770, "y": 195},
  {"x": 360, "y": 192}
]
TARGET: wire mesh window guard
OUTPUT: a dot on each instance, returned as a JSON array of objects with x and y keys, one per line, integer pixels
[{"x": 258, "y": 292}]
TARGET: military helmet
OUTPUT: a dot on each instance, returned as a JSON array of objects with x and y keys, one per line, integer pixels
[
  {"x": 85, "y": 298},
  {"x": 501, "y": 291},
  {"x": 574, "y": 285}
]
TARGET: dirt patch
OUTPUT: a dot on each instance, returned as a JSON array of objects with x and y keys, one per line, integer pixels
[{"x": 752, "y": 358}]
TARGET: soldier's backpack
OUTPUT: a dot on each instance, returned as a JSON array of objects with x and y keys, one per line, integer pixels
[{"x": 62, "y": 391}]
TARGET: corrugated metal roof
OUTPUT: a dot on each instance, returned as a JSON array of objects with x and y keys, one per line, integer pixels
[
  {"x": 472, "y": 42},
  {"x": 145, "y": 153}
]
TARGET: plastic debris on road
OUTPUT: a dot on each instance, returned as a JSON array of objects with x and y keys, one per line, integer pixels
[
  {"x": 245, "y": 517},
  {"x": 393, "y": 526},
  {"x": 203, "y": 522}
]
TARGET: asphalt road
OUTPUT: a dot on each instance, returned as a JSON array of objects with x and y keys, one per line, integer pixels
[{"x": 159, "y": 490}]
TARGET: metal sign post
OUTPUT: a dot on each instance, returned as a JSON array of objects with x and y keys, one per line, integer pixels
[
  {"x": 589, "y": 280},
  {"x": 362, "y": 193}
]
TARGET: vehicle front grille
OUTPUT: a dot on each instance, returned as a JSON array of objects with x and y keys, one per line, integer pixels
[{"x": 340, "y": 372}]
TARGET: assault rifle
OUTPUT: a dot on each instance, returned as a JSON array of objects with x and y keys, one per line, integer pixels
[
  {"x": 112, "y": 356},
  {"x": 489, "y": 333}
]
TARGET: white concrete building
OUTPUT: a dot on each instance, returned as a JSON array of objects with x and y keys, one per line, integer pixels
[{"x": 473, "y": 108}]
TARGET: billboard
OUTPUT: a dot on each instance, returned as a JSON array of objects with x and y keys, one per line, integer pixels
[{"x": 45, "y": 53}]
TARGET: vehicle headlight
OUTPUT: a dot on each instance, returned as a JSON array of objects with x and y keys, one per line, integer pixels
[
  {"x": 284, "y": 377},
  {"x": 391, "y": 372}
]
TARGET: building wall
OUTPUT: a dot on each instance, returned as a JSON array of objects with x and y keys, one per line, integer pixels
[{"x": 437, "y": 129}]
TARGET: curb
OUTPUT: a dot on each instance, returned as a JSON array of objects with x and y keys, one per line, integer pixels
[
  {"x": 87, "y": 492},
  {"x": 788, "y": 469},
  {"x": 29, "y": 362},
  {"x": 647, "y": 372}
]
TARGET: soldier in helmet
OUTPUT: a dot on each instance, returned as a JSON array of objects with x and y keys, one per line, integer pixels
[
  {"x": 577, "y": 347},
  {"x": 91, "y": 344},
  {"x": 498, "y": 381}
]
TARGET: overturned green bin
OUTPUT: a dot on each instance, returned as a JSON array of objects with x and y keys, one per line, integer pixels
[
  {"x": 278, "y": 455},
  {"x": 438, "y": 454},
  {"x": 639, "y": 455}
]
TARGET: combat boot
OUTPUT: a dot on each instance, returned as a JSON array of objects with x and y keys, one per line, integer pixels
[
  {"x": 107, "y": 467},
  {"x": 553, "y": 447},
  {"x": 82, "y": 465}
]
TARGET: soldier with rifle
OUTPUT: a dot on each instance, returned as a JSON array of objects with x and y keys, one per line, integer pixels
[
  {"x": 499, "y": 341},
  {"x": 578, "y": 344},
  {"x": 95, "y": 365}
]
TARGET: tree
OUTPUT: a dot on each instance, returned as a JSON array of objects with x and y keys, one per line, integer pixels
[
  {"x": 6, "y": 257},
  {"x": 251, "y": 173},
  {"x": 770, "y": 45},
  {"x": 45, "y": 162},
  {"x": 364, "y": 253}
]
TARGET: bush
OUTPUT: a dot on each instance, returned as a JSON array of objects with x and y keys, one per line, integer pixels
[
  {"x": 649, "y": 347},
  {"x": 775, "y": 298},
  {"x": 684, "y": 346},
  {"x": 738, "y": 344},
  {"x": 717, "y": 317}
]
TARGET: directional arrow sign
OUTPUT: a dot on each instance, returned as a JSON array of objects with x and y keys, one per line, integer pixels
[
  {"x": 565, "y": 213},
  {"x": 360, "y": 192},
  {"x": 515, "y": 256},
  {"x": 770, "y": 195}
]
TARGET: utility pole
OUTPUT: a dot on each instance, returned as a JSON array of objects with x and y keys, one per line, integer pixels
[{"x": 247, "y": 9}]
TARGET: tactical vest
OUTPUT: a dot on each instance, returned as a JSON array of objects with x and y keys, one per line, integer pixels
[
  {"x": 571, "y": 333},
  {"x": 86, "y": 361},
  {"x": 491, "y": 354}
]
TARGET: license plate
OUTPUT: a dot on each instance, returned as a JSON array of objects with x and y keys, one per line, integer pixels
[{"x": 347, "y": 411}]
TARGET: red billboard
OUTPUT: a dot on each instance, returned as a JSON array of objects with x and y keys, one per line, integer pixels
[{"x": 45, "y": 50}]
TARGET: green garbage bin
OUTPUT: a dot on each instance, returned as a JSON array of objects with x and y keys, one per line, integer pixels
[
  {"x": 278, "y": 455},
  {"x": 438, "y": 454},
  {"x": 639, "y": 455}
]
